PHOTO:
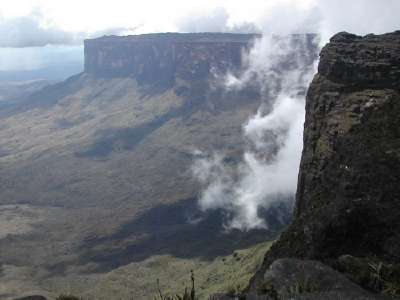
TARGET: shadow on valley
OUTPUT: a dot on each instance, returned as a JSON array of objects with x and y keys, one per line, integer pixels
[
  {"x": 125, "y": 138},
  {"x": 180, "y": 230}
]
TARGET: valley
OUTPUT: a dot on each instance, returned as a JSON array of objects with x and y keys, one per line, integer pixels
[{"x": 96, "y": 170}]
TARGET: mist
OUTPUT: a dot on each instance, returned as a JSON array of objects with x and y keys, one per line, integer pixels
[{"x": 269, "y": 167}]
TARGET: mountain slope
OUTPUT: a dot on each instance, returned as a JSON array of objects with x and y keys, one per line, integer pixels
[
  {"x": 95, "y": 171},
  {"x": 88, "y": 165}
]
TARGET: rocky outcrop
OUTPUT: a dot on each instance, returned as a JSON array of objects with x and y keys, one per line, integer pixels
[
  {"x": 307, "y": 279},
  {"x": 291, "y": 278},
  {"x": 348, "y": 183},
  {"x": 348, "y": 191}
]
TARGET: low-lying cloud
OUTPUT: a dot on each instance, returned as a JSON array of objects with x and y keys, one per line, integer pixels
[
  {"x": 257, "y": 182},
  {"x": 34, "y": 30},
  {"x": 269, "y": 167},
  {"x": 268, "y": 170}
]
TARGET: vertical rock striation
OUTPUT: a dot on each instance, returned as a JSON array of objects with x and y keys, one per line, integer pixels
[
  {"x": 348, "y": 196},
  {"x": 162, "y": 58}
]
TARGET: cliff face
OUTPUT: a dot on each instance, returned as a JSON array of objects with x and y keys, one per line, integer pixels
[
  {"x": 348, "y": 191},
  {"x": 162, "y": 58}
]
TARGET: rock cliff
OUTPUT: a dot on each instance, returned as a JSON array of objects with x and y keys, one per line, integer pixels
[
  {"x": 348, "y": 196},
  {"x": 162, "y": 58}
]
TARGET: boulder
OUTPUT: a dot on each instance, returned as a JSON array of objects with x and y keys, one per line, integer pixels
[{"x": 308, "y": 278}]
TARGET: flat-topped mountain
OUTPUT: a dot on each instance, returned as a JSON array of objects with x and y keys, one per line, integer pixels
[
  {"x": 166, "y": 57},
  {"x": 96, "y": 170}
]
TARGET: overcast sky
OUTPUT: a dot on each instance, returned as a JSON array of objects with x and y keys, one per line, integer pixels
[
  {"x": 152, "y": 15},
  {"x": 37, "y": 23}
]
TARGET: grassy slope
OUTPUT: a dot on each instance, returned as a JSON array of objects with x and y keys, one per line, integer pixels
[
  {"x": 66, "y": 200},
  {"x": 138, "y": 280}
]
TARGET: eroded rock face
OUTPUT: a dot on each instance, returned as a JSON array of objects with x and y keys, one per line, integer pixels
[
  {"x": 348, "y": 191},
  {"x": 163, "y": 58},
  {"x": 348, "y": 187}
]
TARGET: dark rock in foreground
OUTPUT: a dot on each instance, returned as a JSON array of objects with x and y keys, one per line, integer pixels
[
  {"x": 348, "y": 190},
  {"x": 303, "y": 279},
  {"x": 307, "y": 279}
]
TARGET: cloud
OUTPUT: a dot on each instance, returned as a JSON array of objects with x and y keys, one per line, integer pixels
[
  {"x": 268, "y": 171},
  {"x": 256, "y": 182},
  {"x": 358, "y": 16},
  {"x": 34, "y": 30},
  {"x": 213, "y": 20},
  {"x": 282, "y": 18},
  {"x": 64, "y": 25},
  {"x": 325, "y": 17},
  {"x": 29, "y": 31}
]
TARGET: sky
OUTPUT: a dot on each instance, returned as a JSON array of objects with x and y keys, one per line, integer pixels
[
  {"x": 151, "y": 15},
  {"x": 41, "y": 24}
]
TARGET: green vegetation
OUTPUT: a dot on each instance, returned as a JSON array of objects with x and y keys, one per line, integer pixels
[
  {"x": 372, "y": 274},
  {"x": 185, "y": 296},
  {"x": 144, "y": 280},
  {"x": 70, "y": 201},
  {"x": 376, "y": 276},
  {"x": 392, "y": 288},
  {"x": 265, "y": 288},
  {"x": 302, "y": 286},
  {"x": 234, "y": 290}
]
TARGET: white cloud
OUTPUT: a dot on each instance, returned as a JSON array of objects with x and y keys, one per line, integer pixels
[
  {"x": 358, "y": 16},
  {"x": 28, "y": 31},
  {"x": 65, "y": 19},
  {"x": 268, "y": 170},
  {"x": 34, "y": 30},
  {"x": 256, "y": 182}
]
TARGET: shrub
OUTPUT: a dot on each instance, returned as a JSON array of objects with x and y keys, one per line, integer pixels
[{"x": 185, "y": 296}]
